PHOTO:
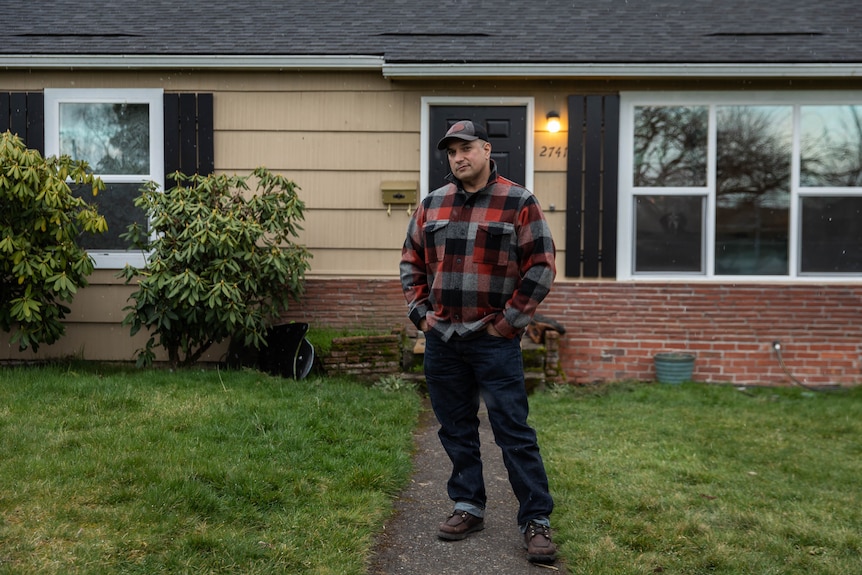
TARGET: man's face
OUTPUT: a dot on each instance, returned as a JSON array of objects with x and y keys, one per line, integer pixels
[{"x": 469, "y": 160}]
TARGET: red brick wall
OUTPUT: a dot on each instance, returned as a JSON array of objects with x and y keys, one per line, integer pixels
[
  {"x": 614, "y": 329},
  {"x": 352, "y": 303}
]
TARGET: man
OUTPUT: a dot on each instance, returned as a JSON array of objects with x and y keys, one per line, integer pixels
[{"x": 477, "y": 260}]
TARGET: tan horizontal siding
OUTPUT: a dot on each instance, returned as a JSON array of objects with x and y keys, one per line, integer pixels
[
  {"x": 92, "y": 341},
  {"x": 366, "y": 229},
  {"x": 241, "y": 152},
  {"x": 345, "y": 111},
  {"x": 346, "y": 262},
  {"x": 345, "y": 190},
  {"x": 550, "y": 189},
  {"x": 100, "y": 303}
]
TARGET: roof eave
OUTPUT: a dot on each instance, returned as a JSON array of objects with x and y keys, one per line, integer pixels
[
  {"x": 427, "y": 70},
  {"x": 599, "y": 70},
  {"x": 179, "y": 62}
]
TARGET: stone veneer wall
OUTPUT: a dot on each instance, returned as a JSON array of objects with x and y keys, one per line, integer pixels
[{"x": 368, "y": 358}]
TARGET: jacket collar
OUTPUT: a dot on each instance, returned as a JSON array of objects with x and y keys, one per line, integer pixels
[{"x": 492, "y": 178}]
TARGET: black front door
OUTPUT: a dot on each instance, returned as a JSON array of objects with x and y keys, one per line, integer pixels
[{"x": 507, "y": 129}]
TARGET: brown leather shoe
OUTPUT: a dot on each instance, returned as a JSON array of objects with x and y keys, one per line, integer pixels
[
  {"x": 537, "y": 542},
  {"x": 459, "y": 525}
]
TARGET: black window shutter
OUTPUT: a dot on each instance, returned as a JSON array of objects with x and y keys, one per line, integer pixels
[
  {"x": 23, "y": 114},
  {"x": 592, "y": 186},
  {"x": 188, "y": 135},
  {"x": 36, "y": 121}
]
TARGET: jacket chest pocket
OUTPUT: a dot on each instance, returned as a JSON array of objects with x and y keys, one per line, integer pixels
[
  {"x": 495, "y": 243},
  {"x": 435, "y": 240}
]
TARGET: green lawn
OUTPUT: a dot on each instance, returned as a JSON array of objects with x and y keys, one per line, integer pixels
[
  {"x": 111, "y": 470},
  {"x": 118, "y": 471},
  {"x": 700, "y": 479}
]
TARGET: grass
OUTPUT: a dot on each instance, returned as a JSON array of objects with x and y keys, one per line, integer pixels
[
  {"x": 108, "y": 470},
  {"x": 700, "y": 479}
]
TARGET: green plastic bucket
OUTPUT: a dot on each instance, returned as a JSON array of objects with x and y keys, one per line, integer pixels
[{"x": 673, "y": 367}]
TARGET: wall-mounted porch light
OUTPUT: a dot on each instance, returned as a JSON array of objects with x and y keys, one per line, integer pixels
[{"x": 553, "y": 122}]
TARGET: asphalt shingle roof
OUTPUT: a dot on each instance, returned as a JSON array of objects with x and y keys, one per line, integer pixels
[{"x": 457, "y": 31}]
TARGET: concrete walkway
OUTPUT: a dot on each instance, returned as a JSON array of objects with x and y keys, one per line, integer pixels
[{"x": 409, "y": 544}]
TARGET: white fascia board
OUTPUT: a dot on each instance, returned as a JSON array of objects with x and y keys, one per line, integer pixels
[
  {"x": 442, "y": 70},
  {"x": 539, "y": 70},
  {"x": 213, "y": 62}
]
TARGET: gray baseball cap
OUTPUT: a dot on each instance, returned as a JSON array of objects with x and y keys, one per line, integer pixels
[{"x": 463, "y": 130}]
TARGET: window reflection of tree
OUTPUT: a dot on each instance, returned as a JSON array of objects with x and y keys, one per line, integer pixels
[
  {"x": 753, "y": 156},
  {"x": 831, "y": 145},
  {"x": 112, "y": 138},
  {"x": 670, "y": 146},
  {"x": 753, "y": 164}
]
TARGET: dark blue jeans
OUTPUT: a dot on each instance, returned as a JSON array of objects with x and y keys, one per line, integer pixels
[{"x": 457, "y": 372}]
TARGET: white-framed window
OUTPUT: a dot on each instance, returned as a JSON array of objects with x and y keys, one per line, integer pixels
[
  {"x": 120, "y": 134},
  {"x": 741, "y": 185}
]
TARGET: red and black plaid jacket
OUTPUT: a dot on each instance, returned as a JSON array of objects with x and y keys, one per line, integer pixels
[{"x": 470, "y": 259}]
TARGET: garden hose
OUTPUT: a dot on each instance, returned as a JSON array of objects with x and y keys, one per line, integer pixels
[{"x": 776, "y": 345}]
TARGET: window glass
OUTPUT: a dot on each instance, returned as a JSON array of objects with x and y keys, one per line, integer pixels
[
  {"x": 670, "y": 147},
  {"x": 831, "y": 146},
  {"x": 753, "y": 168},
  {"x": 117, "y": 204},
  {"x": 831, "y": 235},
  {"x": 114, "y": 138},
  {"x": 669, "y": 233}
]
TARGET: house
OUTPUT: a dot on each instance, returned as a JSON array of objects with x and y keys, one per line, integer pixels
[{"x": 704, "y": 191}]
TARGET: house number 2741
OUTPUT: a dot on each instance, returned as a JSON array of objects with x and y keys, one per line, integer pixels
[{"x": 553, "y": 151}]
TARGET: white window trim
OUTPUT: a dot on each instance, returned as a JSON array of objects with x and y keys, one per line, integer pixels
[
  {"x": 425, "y": 151},
  {"x": 625, "y": 215},
  {"x": 112, "y": 259}
]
